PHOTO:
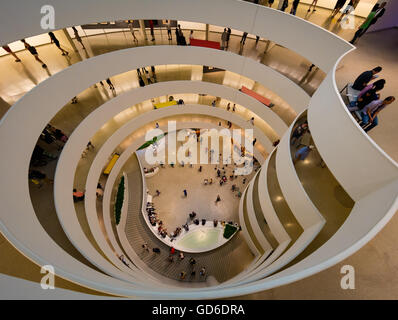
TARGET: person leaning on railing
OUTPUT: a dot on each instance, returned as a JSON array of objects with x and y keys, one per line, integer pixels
[{"x": 369, "y": 112}]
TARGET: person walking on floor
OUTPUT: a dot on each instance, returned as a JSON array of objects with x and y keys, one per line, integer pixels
[
  {"x": 257, "y": 39},
  {"x": 33, "y": 52},
  {"x": 218, "y": 198},
  {"x": 148, "y": 77},
  {"x": 152, "y": 32},
  {"x": 156, "y": 250},
  {"x": 370, "y": 20},
  {"x": 153, "y": 74},
  {"x": 168, "y": 26},
  {"x": 243, "y": 39},
  {"x": 111, "y": 86},
  {"x": 7, "y": 49},
  {"x": 229, "y": 31},
  {"x": 183, "y": 42},
  {"x": 203, "y": 271},
  {"x": 131, "y": 27},
  {"x": 302, "y": 153},
  {"x": 295, "y": 4},
  {"x": 224, "y": 37},
  {"x": 351, "y": 6},
  {"x": 185, "y": 193},
  {"x": 313, "y": 6},
  {"x": 283, "y": 4},
  {"x": 337, "y": 7},
  {"x": 77, "y": 37},
  {"x": 178, "y": 37},
  {"x": 56, "y": 42}
]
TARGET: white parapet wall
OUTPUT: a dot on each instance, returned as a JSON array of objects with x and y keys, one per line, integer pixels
[{"x": 373, "y": 184}]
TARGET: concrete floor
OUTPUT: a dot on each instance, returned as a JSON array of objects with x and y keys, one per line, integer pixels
[
  {"x": 375, "y": 264},
  {"x": 174, "y": 208}
]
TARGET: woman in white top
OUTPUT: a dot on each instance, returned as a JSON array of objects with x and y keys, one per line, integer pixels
[{"x": 130, "y": 25}]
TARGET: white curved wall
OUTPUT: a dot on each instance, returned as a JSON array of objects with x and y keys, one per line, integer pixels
[
  {"x": 258, "y": 233},
  {"x": 273, "y": 222},
  {"x": 376, "y": 198},
  {"x": 266, "y": 205},
  {"x": 357, "y": 162},
  {"x": 49, "y": 103},
  {"x": 293, "y": 191},
  {"x": 245, "y": 231},
  {"x": 44, "y": 103},
  {"x": 66, "y": 167}
]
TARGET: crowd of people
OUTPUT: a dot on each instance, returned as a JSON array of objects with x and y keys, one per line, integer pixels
[
  {"x": 192, "y": 219},
  {"x": 180, "y": 257},
  {"x": 33, "y": 51},
  {"x": 144, "y": 75},
  {"x": 52, "y": 135},
  {"x": 366, "y": 102}
]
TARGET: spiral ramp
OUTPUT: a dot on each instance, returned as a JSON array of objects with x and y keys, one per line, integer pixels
[{"x": 286, "y": 233}]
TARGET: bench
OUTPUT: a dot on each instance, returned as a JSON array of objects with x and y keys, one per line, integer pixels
[
  {"x": 111, "y": 164},
  {"x": 352, "y": 95}
]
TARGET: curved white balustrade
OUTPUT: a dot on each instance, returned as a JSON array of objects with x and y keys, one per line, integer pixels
[
  {"x": 76, "y": 142},
  {"x": 258, "y": 233},
  {"x": 124, "y": 157},
  {"x": 112, "y": 107},
  {"x": 88, "y": 127},
  {"x": 357, "y": 162},
  {"x": 270, "y": 215},
  {"x": 245, "y": 232},
  {"x": 316, "y": 44},
  {"x": 367, "y": 218},
  {"x": 293, "y": 191},
  {"x": 39, "y": 104},
  {"x": 66, "y": 166},
  {"x": 273, "y": 222}
]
